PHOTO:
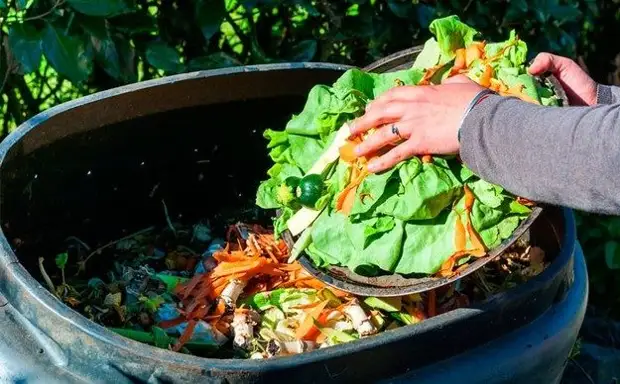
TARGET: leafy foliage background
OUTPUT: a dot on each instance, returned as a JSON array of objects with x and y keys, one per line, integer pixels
[{"x": 52, "y": 51}]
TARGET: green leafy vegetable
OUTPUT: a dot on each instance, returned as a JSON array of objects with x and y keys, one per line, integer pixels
[
  {"x": 409, "y": 219},
  {"x": 451, "y": 34}
]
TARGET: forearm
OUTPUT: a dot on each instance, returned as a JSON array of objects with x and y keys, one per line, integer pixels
[
  {"x": 567, "y": 156},
  {"x": 607, "y": 94}
]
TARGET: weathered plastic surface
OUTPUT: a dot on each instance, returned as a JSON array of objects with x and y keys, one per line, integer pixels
[{"x": 46, "y": 191}]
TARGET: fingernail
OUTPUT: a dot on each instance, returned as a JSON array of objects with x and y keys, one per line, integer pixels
[{"x": 358, "y": 150}]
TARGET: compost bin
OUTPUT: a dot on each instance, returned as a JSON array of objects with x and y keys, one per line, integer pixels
[{"x": 99, "y": 166}]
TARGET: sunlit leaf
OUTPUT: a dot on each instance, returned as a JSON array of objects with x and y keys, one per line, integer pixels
[
  {"x": 102, "y": 8},
  {"x": 66, "y": 54},
  {"x": 25, "y": 45}
]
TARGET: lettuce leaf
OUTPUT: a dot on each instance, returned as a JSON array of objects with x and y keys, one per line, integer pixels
[
  {"x": 514, "y": 51},
  {"x": 430, "y": 55},
  {"x": 422, "y": 197},
  {"x": 451, "y": 34},
  {"x": 372, "y": 85},
  {"x": 402, "y": 220}
]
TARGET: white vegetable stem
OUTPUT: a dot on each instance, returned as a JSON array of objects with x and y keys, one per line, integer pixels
[
  {"x": 257, "y": 356},
  {"x": 359, "y": 318},
  {"x": 278, "y": 348},
  {"x": 243, "y": 329},
  {"x": 303, "y": 218},
  {"x": 231, "y": 293}
]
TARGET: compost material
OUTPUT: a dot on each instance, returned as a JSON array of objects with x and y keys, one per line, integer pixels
[
  {"x": 237, "y": 291},
  {"x": 234, "y": 295}
]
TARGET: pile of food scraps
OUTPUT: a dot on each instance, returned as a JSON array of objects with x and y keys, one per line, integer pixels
[
  {"x": 184, "y": 291},
  {"x": 428, "y": 215},
  {"x": 244, "y": 295}
]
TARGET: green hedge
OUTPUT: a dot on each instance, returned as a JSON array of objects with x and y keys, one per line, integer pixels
[{"x": 56, "y": 50}]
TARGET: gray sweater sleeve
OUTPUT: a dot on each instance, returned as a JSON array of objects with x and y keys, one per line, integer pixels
[
  {"x": 606, "y": 94},
  {"x": 567, "y": 156}
]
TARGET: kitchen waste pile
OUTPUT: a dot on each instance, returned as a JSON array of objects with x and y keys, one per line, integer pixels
[{"x": 241, "y": 293}]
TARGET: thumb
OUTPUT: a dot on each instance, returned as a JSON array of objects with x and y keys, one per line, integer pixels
[
  {"x": 546, "y": 62},
  {"x": 457, "y": 79}
]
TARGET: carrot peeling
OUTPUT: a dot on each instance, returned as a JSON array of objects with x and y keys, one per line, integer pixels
[{"x": 427, "y": 159}]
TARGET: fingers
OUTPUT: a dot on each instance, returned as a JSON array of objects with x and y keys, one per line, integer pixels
[
  {"x": 546, "y": 62},
  {"x": 406, "y": 93},
  {"x": 458, "y": 79},
  {"x": 383, "y": 137},
  {"x": 378, "y": 115},
  {"x": 389, "y": 107},
  {"x": 399, "y": 153}
]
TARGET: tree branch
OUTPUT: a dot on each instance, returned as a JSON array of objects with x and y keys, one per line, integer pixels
[{"x": 57, "y": 4}]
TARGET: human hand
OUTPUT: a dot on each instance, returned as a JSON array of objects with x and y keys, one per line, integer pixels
[
  {"x": 580, "y": 88},
  {"x": 427, "y": 119}
]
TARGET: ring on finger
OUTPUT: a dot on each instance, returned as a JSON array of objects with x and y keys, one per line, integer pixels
[{"x": 396, "y": 132}]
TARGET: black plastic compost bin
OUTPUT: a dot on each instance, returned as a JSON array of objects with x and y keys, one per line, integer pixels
[{"x": 100, "y": 165}]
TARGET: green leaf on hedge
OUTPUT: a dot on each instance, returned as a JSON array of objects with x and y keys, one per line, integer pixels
[
  {"x": 66, "y": 54},
  {"x": 215, "y": 60},
  {"x": 521, "y": 5},
  {"x": 101, "y": 8},
  {"x": 400, "y": 8},
  {"x": 303, "y": 51},
  {"x": 565, "y": 13},
  {"x": 21, "y": 4},
  {"x": 25, "y": 45},
  {"x": 135, "y": 23},
  {"x": 209, "y": 16},
  {"x": 612, "y": 255},
  {"x": 95, "y": 26},
  {"x": 164, "y": 57},
  {"x": 106, "y": 55}
]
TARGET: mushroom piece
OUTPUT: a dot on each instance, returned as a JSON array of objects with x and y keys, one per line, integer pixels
[
  {"x": 279, "y": 348},
  {"x": 231, "y": 293},
  {"x": 359, "y": 318},
  {"x": 257, "y": 356},
  {"x": 243, "y": 324}
]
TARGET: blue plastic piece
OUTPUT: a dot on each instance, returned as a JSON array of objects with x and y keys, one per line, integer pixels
[{"x": 215, "y": 245}]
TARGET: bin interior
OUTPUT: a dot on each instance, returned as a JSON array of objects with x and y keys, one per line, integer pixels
[
  {"x": 204, "y": 162},
  {"x": 75, "y": 176}
]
